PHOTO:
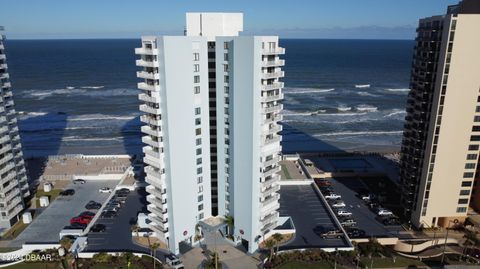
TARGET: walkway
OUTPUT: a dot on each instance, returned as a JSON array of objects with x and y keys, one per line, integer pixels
[{"x": 230, "y": 256}]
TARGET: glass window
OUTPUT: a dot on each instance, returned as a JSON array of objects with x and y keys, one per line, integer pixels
[
  {"x": 197, "y": 111},
  {"x": 196, "y": 56},
  {"x": 464, "y": 192},
  {"x": 462, "y": 201},
  {"x": 197, "y": 89},
  {"x": 461, "y": 209},
  {"x": 196, "y": 79},
  {"x": 196, "y": 68}
]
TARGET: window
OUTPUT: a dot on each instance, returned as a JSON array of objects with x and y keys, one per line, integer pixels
[
  {"x": 226, "y": 110},
  {"x": 476, "y": 128},
  {"x": 200, "y": 188},
  {"x": 199, "y": 170},
  {"x": 196, "y": 56},
  {"x": 198, "y": 131},
  {"x": 462, "y": 201},
  {"x": 198, "y": 141},
  {"x": 471, "y": 156},
  {"x": 196, "y": 79},
  {"x": 464, "y": 192},
  {"x": 225, "y": 45},
  {"x": 225, "y": 57},
  {"x": 476, "y": 119},
  {"x": 196, "y": 68},
  {"x": 225, "y": 67},
  {"x": 461, "y": 209},
  {"x": 200, "y": 198},
  {"x": 199, "y": 151},
  {"x": 199, "y": 180},
  {"x": 197, "y": 111},
  {"x": 475, "y": 138},
  {"x": 200, "y": 207},
  {"x": 477, "y": 109},
  {"x": 199, "y": 160},
  {"x": 197, "y": 89},
  {"x": 226, "y": 78},
  {"x": 200, "y": 216},
  {"x": 468, "y": 175},
  {"x": 473, "y": 147},
  {"x": 466, "y": 183},
  {"x": 198, "y": 121},
  {"x": 470, "y": 166}
]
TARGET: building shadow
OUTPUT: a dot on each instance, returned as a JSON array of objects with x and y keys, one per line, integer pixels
[
  {"x": 41, "y": 136},
  {"x": 297, "y": 141}
]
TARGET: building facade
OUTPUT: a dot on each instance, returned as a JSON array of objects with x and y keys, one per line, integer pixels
[
  {"x": 212, "y": 102},
  {"x": 13, "y": 176},
  {"x": 441, "y": 138}
]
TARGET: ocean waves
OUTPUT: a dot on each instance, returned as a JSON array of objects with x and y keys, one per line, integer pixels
[{"x": 88, "y": 91}]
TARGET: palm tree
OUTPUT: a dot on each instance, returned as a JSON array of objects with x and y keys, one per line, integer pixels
[
  {"x": 278, "y": 238},
  {"x": 154, "y": 248},
  {"x": 230, "y": 222},
  {"x": 270, "y": 244}
]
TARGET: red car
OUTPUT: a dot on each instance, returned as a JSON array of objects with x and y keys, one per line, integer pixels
[
  {"x": 323, "y": 183},
  {"x": 80, "y": 220}
]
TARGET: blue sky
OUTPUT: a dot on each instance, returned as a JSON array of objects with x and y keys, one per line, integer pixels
[{"x": 370, "y": 19}]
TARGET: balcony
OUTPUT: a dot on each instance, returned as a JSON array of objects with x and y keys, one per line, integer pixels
[
  {"x": 274, "y": 139},
  {"x": 270, "y": 200},
  {"x": 146, "y": 63},
  {"x": 3, "y": 57},
  {"x": 270, "y": 162},
  {"x": 6, "y": 85},
  {"x": 153, "y": 162},
  {"x": 150, "y": 120},
  {"x": 272, "y": 189},
  {"x": 270, "y": 172},
  {"x": 148, "y": 87},
  {"x": 11, "y": 175},
  {"x": 158, "y": 228},
  {"x": 149, "y": 98},
  {"x": 151, "y": 189},
  {"x": 158, "y": 219},
  {"x": 273, "y": 119},
  {"x": 148, "y": 75},
  {"x": 5, "y": 148},
  {"x": 271, "y": 98},
  {"x": 273, "y": 63},
  {"x": 270, "y": 109},
  {"x": 269, "y": 218},
  {"x": 149, "y": 130},
  {"x": 267, "y": 183},
  {"x": 273, "y": 86},
  {"x": 272, "y": 130},
  {"x": 268, "y": 227},
  {"x": 149, "y": 151},
  {"x": 273, "y": 75},
  {"x": 11, "y": 195},
  {"x": 156, "y": 204},
  {"x": 3, "y": 66},
  {"x": 273, "y": 51},
  {"x": 146, "y": 51},
  {"x": 149, "y": 141},
  {"x": 149, "y": 109}
]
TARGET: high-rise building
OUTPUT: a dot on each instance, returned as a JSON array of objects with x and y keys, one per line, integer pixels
[
  {"x": 13, "y": 176},
  {"x": 212, "y": 105},
  {"x": 441, "y": 138}
]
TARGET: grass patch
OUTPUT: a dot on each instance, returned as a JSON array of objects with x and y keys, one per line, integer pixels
[
  {"x": 305, "y": 265},
  {"x": 285, "y": 172},
  {"x": 52, "y": 195},
  {"x": 13, "y": 232},
  {"x": 381, "y": 262},
  {"x": 35, "y": 265}
]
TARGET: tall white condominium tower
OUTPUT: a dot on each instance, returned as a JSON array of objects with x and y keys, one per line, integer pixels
[
  {"x": 212, "y": 105},
  {"x": 13, "y": 177},
  {"x": 441, "y": 140}
]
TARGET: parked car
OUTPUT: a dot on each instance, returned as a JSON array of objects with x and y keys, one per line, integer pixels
[
  {"x": 80, "y": 220},
  {"x": 114, "y": 204},
  {"x": 389, "y": 220},
  {"x": 123, "y": 191},
  {"x": 354, "y": 232},
  {"x": 111, "y": 208},
  {"x": 343, "y": 213},
  {"x": 105, "y": 190},
  {"x": 332, "y": 196},
  {"x": 98, "y": 228},
  {"x": 331, "y": 234},
  {"x": 326, "y": 190},
  {"x": 367, "y": 197},
  {"x": 348, "y": 223},
  {"x": 67, "y": 192},
  {"x": 174, "y": 261},
  {"x": 108, "y": 214},
  {"x": 384, "y": 212},
  {"x": 93, "y": 205},
  {"x": 337, "y": 204},
  {"x": 323, "y": 183},
  {"x": 75, "y": 226},
  {"x": 79, "y": 181},
  {"x": 87, "y": 214}
]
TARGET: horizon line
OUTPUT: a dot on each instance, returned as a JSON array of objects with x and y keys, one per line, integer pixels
[{"x": 139, "y": 38}]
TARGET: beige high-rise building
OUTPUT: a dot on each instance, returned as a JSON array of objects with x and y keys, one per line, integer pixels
[
  {"x": 13, "y": 177},
  {"x": 441, "y": 138}
]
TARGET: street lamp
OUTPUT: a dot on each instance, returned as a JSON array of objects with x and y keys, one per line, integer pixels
[{"x": 455, "y": 221}]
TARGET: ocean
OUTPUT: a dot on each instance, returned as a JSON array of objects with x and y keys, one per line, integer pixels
[{"x": 80, "y": 96}]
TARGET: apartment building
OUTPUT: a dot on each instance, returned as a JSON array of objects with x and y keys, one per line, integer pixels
[
  {"x": 441, "y": 137},
  {"x": 13, "y": 177},
  {"x": 212, "y": 102}
]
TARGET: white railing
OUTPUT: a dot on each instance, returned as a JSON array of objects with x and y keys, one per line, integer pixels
[
  {"x": 274, "y": 51},
  {"x": 277, "y": 74}
]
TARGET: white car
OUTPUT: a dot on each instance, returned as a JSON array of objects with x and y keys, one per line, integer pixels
[
  {"x": 343, "y": 213},
  {"x": 338, "y": 204},
  {"x": 105, "y": 190},
  {"x": 332, "y": 196},
  {"x": 384, "y": 212}
]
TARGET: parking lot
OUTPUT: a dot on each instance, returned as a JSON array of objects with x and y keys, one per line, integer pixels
[
  {"x": 366, "y": 218},
  {"x": 308, "y": 213},
  {"x": 45, "y": 227},
  {"x": 117, "y": 236}
]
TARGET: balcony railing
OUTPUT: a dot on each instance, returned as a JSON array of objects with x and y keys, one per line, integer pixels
[
  {"x": 275, "y": 108},
  {"x": 148, "y": 75},
  {"x": 271, "y": 98},
  {"x": 146, "y": 63},
  {"x": 274, "y": 51},
  {"x": 273, "y": 86},
  {"x": 149, "y": 109},
  {"x": 274, "y": 139},
  {"x": 148, "y": 87},
  {"x": 146, "y": 51},
  {"x": 277, "y": 74},
  {"x": 150, "y": 131},
  {"x": 270, "y": 171},
  {"x": 273, "y": 63},
  {"x": 149, "y": 141},
  {"x": 148, "y": 98}
]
